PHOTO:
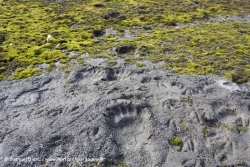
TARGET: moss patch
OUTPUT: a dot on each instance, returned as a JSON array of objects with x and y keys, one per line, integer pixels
[
  {"x": 140, "y": 64},
  {"x": 205, "y": 131},
  {"x": 210, "y": 49},
  {"x": 111, "y": 62},
  {"x": 241, "y": 128},
  {"x": 25, "y": 73},
  {"x": 176, "y": 141},
  {"x": 185, "y": 126}
]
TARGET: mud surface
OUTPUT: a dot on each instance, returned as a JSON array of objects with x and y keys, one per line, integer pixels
[{"x": 126, "y": 115}]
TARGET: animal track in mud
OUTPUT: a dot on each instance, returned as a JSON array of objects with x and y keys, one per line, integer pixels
[
  {"x": 23, "y": 149},
  {"x": 177, "y": 84},
  {"x": 2, "y": 100},
  {"x": 54, "y": 112},
  {"x": 122, "y": 115},
  {"x": 189, "y": 163},
  {"x": 108, "y": 74},
  {"x": 50, "y": 145},
  {"x": 27, "y": 99},
  {"x": 173, "y": 105},
  {"x": 192, "y": 91},
  {"x": 146, "y": 80},
  {"x": 188, "y": 146},
  {"x": 130, "y": 124}
]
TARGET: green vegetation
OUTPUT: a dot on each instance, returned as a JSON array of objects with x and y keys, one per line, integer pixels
[
  {"x": 24, "y": 73},
  {"x": 176, "y": 141},
  {"x": 223, "y": 158},
  {"x": 227, "y": 127},
  {"x": 111, "y": 62},
  {"x": 231, "y": 110},
  {"x": 210, "y": 49},
  {"x": 185, "y": 126},
  {"x": 241, "y": 128},
  {"x": 140, "y": 64},
  {"x": 205, "y": 131},
  {"x": 112, "y": 163},
  {"x": 186, "y": 99}
]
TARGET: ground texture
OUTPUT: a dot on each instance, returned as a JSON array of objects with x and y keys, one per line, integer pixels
[
  {"x": 125, "y": 117},
  {"x": 107, "y": 83}
]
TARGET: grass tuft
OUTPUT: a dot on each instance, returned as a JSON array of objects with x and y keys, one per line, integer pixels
[
  {"x": 111, "y": 62},
  {"x": 176, "y": 141}
]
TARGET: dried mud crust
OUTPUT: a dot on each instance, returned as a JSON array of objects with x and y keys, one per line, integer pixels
[{"x": 128, "y": 115}]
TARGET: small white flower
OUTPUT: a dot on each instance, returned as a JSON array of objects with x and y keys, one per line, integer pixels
[{"x": 48, "y": 37}]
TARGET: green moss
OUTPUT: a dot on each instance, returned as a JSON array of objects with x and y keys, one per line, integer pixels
[
  {"x": 223, "y": 158},
  {"x": 176, "y": 141},
  {"x": 81, "y": 60},
  {"x": 111, "y": 62},
  {"x": 186, "y": 99},
  {"x": 140, "y": 64},
  {"x": 207, "y": 49},
  {"x": 205, "y": 131},
  {"x": 112, "y": 163},
  {"x": 2, "y": 69},
  {"x": 185, "y": 126},
  {"x": 227, "y": 127},
  {"x": 63, "y": 66},
  {"x": 110, "y": 39},
  {"x": 231, "y": 110},
  {"x": 241, "y": 128},
  {"x": 112, "y": 53},
  {"x": 25, "y": 73},
  {"x": 129, "y": 61}
]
